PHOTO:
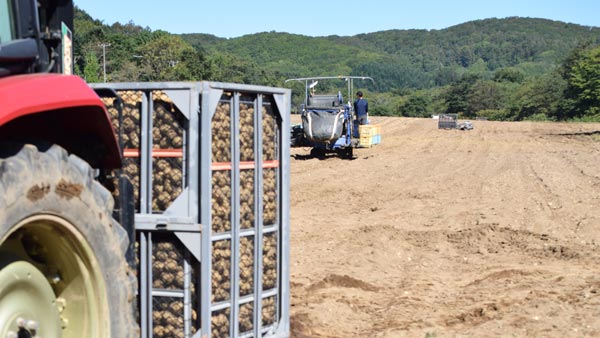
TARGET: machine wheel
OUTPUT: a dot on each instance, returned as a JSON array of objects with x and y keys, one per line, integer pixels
[
  {"x": 63, "y": 271},
  {"x": 348, "y": 153},
  {"x": 317, "y": 153},
  {"x": 297, "y": 137}
]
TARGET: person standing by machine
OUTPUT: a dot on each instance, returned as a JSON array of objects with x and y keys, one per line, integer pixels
[{"x": 361, "y": 108}]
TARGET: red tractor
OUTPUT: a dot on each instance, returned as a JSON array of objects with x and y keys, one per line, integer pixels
[{"x": 63, "y": 271}]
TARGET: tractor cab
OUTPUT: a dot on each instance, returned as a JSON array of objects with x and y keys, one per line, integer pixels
[{"x": 35, "y": 37}]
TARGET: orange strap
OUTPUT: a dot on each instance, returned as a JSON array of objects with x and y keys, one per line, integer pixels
[
  {"x": 155, "y": 152},
  {"x": 178, "y": 153},
  {"x": 244, "y": 165}
]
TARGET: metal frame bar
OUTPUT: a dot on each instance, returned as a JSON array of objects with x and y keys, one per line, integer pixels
[
  {"x": 348, "y": 78},
  {"x": 145, "y": 296},
  {"x": 210, "y": 99},
  {"x": 258, "y": 214},
  {"x": 283, "y": 102},
  {"x": 145, "y": 161},
  {"x": 187, "y": 297},
  {"x": 235, "y": 216}
]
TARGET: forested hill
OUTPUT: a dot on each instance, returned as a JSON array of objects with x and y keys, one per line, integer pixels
[
  {"x": 500, "y": 69},
  {"x": 412, "y": 58}
]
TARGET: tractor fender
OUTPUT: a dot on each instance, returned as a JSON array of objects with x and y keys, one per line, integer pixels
[{"x": 58, "y": 109}]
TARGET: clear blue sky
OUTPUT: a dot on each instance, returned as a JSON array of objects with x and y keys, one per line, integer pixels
[{"x": 235, "y": 18}]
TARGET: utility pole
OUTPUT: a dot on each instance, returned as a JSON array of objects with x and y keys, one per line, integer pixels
[{"x": 104, "y": 45}]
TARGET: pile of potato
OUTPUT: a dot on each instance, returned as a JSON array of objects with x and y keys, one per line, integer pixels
[
  {"x": 221, "y": 319},
  {"x": 269, "y": 311},
  {"x": 221, "y": 133},
  {"x": 221, "y": 201},
  {"x": 220, "y": 323},
  {"x": 221, "y": 267},
  {"x": 168, "y": 273},
  {"x": 167, "y": 266},
  {"x": 269, "y": 261},
  {"x": 167, "y": 133},
  {"x": 269, "y": 196},
  {"x": 221, "y": 180},
  {"x": 246, "y": 265},
  {"x": 167, "y": 318},
  {"x": 269, "y": 175},
  {"x": 269, "y": 135}
]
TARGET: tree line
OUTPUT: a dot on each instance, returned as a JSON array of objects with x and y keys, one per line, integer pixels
[{"x": 571, "y": 91}]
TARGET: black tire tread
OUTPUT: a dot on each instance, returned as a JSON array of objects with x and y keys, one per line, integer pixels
[{"x": 30, "y": 167}]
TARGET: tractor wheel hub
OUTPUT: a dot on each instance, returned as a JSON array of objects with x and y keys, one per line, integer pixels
[{"x": 25, "y": 298}]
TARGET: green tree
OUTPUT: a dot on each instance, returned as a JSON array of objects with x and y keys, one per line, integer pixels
[
  {"x": 161, "y": 57},
  {"x": 383, "y": 104},
  {"x": 542, "y": 97},
  {"x": 417, "y": 105},
  {"x": 91, "y": 69},
  {"x": 483, "y": 94},
  {"x": 195, "y": 65},
  {"x": 509, "y": 74},
  {"x": 457, "y": 96},
  {"x": 583, "y": 82}
]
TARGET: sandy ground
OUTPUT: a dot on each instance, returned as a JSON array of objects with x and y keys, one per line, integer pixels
[{"x": 493, "y": 232}]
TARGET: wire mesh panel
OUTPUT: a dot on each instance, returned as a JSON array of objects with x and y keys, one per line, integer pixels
[
  {"x": 167, "y": 181},
  {"x": 221, "y": 153},
  {"x": 270, "y": 260},
  {"x": 221, "y": 274},
  {"x": 246, "y": 318},
  {"x": 221, "y": 201},
  {"x": 220, "y": 323},
  {"x": 270, "y": 133},
  {"x": 168, "y": 139},
  {"x": 167, "y": 317},
  {"x": 269, "y": 310},
  {"x": 246, "y": 264},
  {"x": 173, "y": 296}
]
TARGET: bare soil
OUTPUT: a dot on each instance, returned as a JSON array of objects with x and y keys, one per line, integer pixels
[{"x": 493, "y": 232}]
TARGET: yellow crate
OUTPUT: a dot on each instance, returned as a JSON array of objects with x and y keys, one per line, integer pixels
[
  {"x": 365, "y": 141},
  {"x": 367, "y": 130},
  {"x": 369, "y": 135},
  {"x": 377, "y": 129}
]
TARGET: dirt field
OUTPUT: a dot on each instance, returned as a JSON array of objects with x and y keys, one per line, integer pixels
[{"x": 493, "y": 232}]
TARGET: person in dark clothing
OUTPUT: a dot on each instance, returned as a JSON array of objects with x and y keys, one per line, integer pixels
[{"x": 361, "y": 108}]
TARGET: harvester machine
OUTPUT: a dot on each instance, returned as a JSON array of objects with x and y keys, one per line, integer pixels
[{"x": 328, "y": 122}]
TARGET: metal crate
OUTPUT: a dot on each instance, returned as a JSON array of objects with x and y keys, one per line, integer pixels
[
  {"x": 209, "y": 163},
  {"x": 448, "y": 121}
]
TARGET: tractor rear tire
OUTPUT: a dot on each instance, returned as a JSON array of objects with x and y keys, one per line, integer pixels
[{"x": 63, "y": 271}]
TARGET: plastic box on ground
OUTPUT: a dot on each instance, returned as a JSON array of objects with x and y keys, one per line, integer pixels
[{"x": 369, "y": 135}]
